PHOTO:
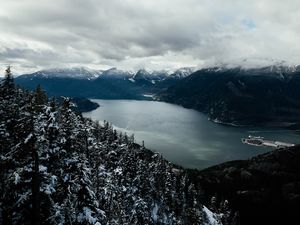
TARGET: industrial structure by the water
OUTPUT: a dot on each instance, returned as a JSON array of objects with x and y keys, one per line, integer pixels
[{"x": 262, "y": 142}]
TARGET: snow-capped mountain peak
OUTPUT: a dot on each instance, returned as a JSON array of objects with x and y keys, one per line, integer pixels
[
  {"x": 75, "y": 73},
  {"x": 182, "y": 72},
  {"x": 116, "y": 73}
]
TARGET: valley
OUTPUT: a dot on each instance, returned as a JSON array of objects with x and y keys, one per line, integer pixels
[
  {"x": 266, "y": 96},
  {"x": 183, "y": 136},
  {"x": 149, "y": 112}
]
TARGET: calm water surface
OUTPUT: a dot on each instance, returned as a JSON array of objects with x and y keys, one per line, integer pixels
[{"x": 183, "y": 136}]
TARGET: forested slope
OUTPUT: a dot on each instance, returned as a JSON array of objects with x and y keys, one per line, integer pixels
[{"x": 60, "y": 168}]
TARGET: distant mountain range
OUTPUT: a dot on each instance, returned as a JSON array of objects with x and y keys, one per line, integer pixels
[
  {"x": 106, "y": 84},
  {"x": 269, "y": 95},
  {"x": 238, "y": 96}
]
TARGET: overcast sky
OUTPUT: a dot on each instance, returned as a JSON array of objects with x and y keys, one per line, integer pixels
[{"x": 151, "y": 34}]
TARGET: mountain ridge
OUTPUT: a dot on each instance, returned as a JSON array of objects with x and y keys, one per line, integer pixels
[
  {"x": 108, "y": 84},
  {"x": 240, "y": 96},
  {"x": 264, "y": 189}
]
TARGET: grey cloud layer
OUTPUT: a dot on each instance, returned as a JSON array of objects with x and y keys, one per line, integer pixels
[{"x": 150, "y": 33}]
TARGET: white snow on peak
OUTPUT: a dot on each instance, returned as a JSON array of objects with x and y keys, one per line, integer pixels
[
  {"x": 150, "y": 76},
  {"x": 182, "y": 72},
  {"x": 76, "y": 73},
  {"x": 116, "y": 73},
  {"x": 91, "y": 74}
]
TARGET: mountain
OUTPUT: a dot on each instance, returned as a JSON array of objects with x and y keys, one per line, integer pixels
[
  {"x": 74, "y": 73},
  {"x": 264, "y": 189},
  {"x": 60, "y": 168},
  {"x": 174, "y": 77},
  {"x": 114, "y": 73},
  {"x": 105, "y": 84},
  {"x": 146, "y": 77},
  {"x": 181, "y": 73},
  {"x": 109, "y": 84},
  {"x": 266, "y": 96},
  {"x": 83, "y": 104},
  {"x": 240, "y": 96}
]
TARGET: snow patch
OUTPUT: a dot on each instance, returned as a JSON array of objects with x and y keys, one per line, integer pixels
[
  {"x": 211, "y": 217},
  {"x": 148, "y": 96},
  {"x": 86, "y": 215},
  {"x": 42, "y": 168},
  {"x": 154, "y": 213},
  {"x": 118, "y": 171},
  {"x": 28, "y": 138},
  {"x": 17, "y": 178},
  {"x": 132, "y": 80}
]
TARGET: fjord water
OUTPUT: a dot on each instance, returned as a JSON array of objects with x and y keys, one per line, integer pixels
[{"x": 183, "y": 136}]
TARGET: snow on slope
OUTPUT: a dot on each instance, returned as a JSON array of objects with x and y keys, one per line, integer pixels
[
  {"x": 75, "y": 73},
  {"x": 113, "y": 73},
  {"x": 211, "y": 217},
  {"x": 116, "y": 73},
  {"x": 182, "y": 72}
]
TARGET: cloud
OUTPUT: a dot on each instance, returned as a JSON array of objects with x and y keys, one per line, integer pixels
[{"x": 155, "y": 34}]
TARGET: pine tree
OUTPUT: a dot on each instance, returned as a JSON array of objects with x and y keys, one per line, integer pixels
[
  {"x": 8, "y": 83},
  {"x": 87, "y": 206},
  {"x": 41, "y": 98},
  {"x": 60, "y": 168}
]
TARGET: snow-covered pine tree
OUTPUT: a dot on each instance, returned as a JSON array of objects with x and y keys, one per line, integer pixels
[{"x": 60, "y": 168}]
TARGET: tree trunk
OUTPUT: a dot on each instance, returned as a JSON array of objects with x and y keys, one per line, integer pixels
[{"x": 36, "y": 190}]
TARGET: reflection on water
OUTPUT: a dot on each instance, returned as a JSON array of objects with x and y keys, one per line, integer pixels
[{"x": 182, "y": 136}]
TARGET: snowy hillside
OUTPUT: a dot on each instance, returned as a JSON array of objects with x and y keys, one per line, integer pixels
[{"x": 60, "y": 168}]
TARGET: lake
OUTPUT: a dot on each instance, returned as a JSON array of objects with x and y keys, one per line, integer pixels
[{"x": 183, "y": 136}]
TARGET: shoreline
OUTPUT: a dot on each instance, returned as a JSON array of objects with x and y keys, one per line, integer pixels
[{"x": 284, "y": 125}]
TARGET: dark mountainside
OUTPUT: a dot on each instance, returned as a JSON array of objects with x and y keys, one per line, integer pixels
[
  {"x": 63, "y": 86},
  {"x": 82, "y": 104},
  {"x": 266, "y": 96},
  {"x": 109, "y": 84},
  {"x": 264, "y": 189},
  {"x": 79, "y": 104},
  {"x": 60, "y": 168}
]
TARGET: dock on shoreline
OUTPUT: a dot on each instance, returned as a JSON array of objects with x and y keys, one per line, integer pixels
[{"x": 262, "y": 142}]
